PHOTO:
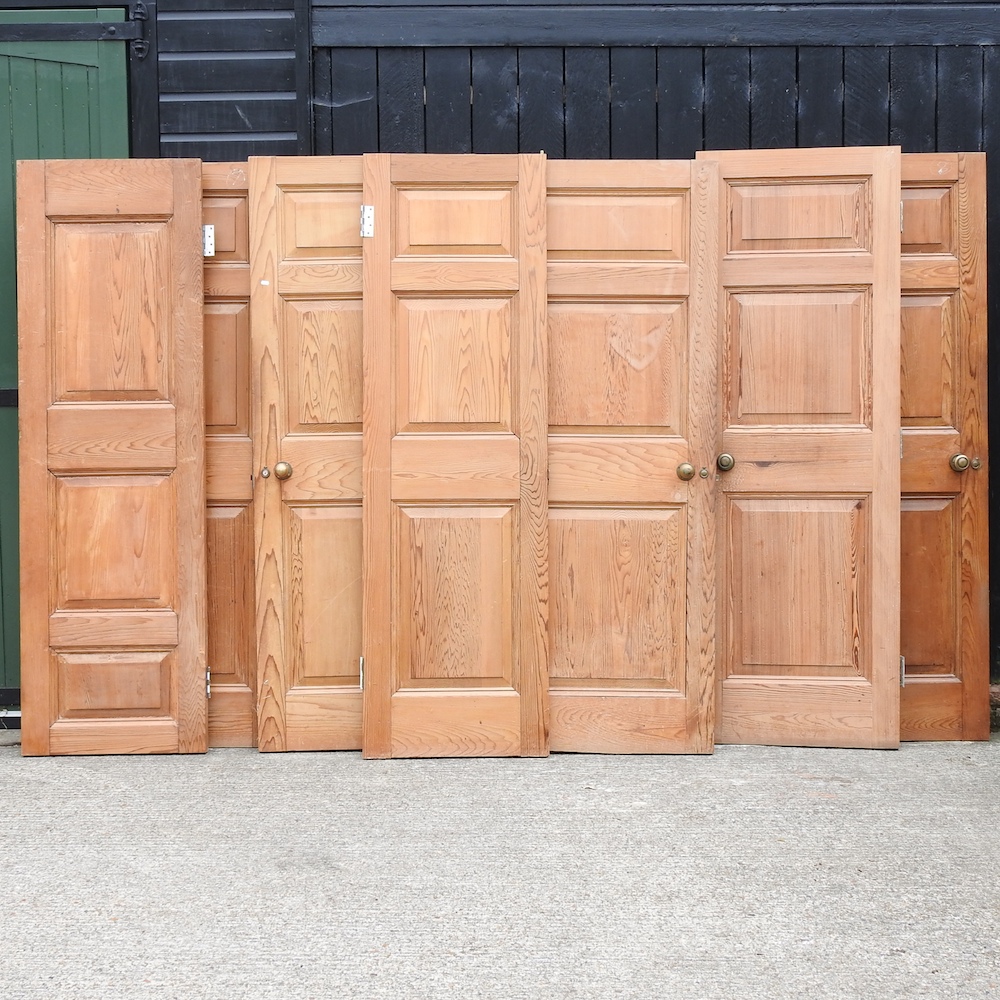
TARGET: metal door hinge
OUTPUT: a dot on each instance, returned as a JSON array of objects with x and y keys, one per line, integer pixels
[
  {"x": 367, "y": 220},
  {"x": 361, "y": 672},
  {"x": 208, "y": 241},
  {"x": 902, "y": 671},
  {"x": 208, "y": 683}
]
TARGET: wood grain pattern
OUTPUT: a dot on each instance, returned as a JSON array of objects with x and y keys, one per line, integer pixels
[
  {"x": 809, "y": 525},
  {"x": 307, "y": 411},
  {"x": 631, "y": 396},
  {"x": 232, "y": 710},
  {"x": 944, "y": 625},
  {"x": 454, "y": 595},
  {"x": 114, "y": 629}
]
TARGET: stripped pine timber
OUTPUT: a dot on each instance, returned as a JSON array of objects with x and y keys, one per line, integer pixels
[
  {"x": 113, "y": 606},
  {"x": 232, "y": 657},
  {"x": 633, "y": 269},
  {"x": 454, "y": 457},
  {"x": 306, "y": 389},
  {"x": 809, "y": 518},
  {"x": 944, "y": 527}
]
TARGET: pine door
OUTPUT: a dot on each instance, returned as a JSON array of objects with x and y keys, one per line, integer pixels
[
  {"x": 632, "y": 272},
  {"x": 305, "y": 311},
  {"x": 809, "y": 522},
  {"x": 455, "y": 457},
  {"x": 113, "y": 623}
]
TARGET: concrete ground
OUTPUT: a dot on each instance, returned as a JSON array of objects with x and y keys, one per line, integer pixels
[{"x": 757, "y": 873}]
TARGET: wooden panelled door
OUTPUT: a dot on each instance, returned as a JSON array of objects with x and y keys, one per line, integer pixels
[
  {"x": 306, "y": 334},
  {"x": 809, "y": 526},
  {"x": 632, "y": 275},
  {"x": 455, "y": 457},
  {"x": 113, "y": 622},
  {"x": 945, "y": 591}
]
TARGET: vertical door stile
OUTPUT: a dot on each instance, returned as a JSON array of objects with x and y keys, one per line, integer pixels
[
  {"x": 454, "y": 457},
  {"x": 269, "y": 564},
  {"x": 809, "y": 521}
]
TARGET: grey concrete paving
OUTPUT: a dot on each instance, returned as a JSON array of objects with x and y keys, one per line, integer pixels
[{"x": 756, "y": 873}]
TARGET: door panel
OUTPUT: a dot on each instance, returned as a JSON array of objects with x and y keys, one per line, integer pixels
[
  {"x": 632, "y": 261},
  {"x": 454, "y": 457},
  {"x": 306, "y": 333},
  {"x": 232, "y": 656},
  {"x": 112, "y": 431},
  {"x": 944, "y": 569},
  {"x": 809, "y": 526}
]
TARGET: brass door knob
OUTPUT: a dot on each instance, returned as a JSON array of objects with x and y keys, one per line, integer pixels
[
  {"x": 959, "y": 462},
  {"x": 685, "y": 471},
  {"x": 725, "y": 462},
  {"x": 282, "y": 470}
]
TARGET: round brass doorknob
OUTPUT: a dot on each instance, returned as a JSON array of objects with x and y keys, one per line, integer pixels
[
  {"x": 959, "y": 462},
  {"x": 282, "y": 470},
  {"x": 685, "y": 471},
  {"x": 725, "y": 462}
]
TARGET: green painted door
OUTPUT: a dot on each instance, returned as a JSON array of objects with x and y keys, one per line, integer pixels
[{"x": 57, "y": 100}]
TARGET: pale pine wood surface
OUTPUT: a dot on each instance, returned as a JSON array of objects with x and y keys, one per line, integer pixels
[
  {"x": 114, "y": 624},
  {"x": 809, "y": 547}
]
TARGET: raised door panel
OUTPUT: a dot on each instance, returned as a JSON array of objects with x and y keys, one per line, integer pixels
[
  {"x": 232, "y": 710},
  {"x": 944, "y": 544},
  {"x": 112, "y": 444},
  {"x": 809, "y": 522},
  {"x": 306, "y": 334},
  {"x": 454, "y": 457},
  {"x": 632, "y": 262}
]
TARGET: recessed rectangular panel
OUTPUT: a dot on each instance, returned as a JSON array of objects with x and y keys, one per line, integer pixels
[
  {"x": 324, "y": 592},
  {"x": 617, "y": 579},
  {"x": 227, "y": 367},
  {"x": 617, "y": 365},
  {"x": 929, "y": 529},
  {"x": 228, "y": 214},
  {"x": 321, "y": 224},
  {"x": 454, "y": 613},
  {"x": 454, "y": 362},
  {"x": 103, "y": 685},
  {"x": 927, "y": 344},
  {"x": 799, "y": 216},
  {"x": 927, "y": 220},
  {"x": 434, "y": 221},
  {"x": 129, "y": 520},
  {"x": 111, "y": 322},
  {"x": 615, "y": 225},
  {"x": 797, "y": 586},
  {"x": 231, "y": 652},
  {"x": 323, "y": 364},
  {"x": 796, "y": 358}
]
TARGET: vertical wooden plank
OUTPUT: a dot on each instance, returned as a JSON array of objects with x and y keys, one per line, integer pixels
[
  {"x": 821, "y": 96},
  {"x": 401, "y": 100},
  {"x": 680, "y": 109},
  {"x": 633, "y": 103},
  {"x": 448, "y": 112},
  {"x": 377, "y": 532},
  {"x": 866, "y": 96},
  {"x": 913, "y": 97},
  {"x": 773, "y": 97},
  {"x": 10, "y": 650},
  {"x": 494, "y": 100},
  {"x": 354, "y": 99},
  {"x": 533, "y": 426},
  {"x": 991, "y": 146},
  {"x": 588, "y": 104},
  {"x": 323, "y": 102},
  {"x": 960, "y": 98},
  {"x": 727, "y": 98},
  {"x": 541, "y": 113}
]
